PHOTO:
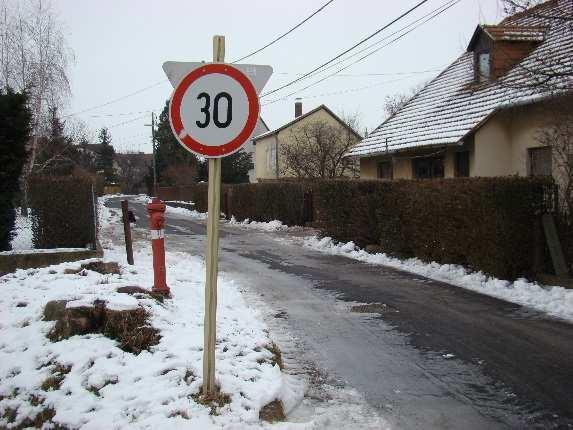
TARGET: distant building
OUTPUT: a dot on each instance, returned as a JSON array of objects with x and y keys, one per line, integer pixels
[
  {"x": 132, "y": 169},
  {"x": 268, "y": 162},
  {"x": 249, "y": 147}
]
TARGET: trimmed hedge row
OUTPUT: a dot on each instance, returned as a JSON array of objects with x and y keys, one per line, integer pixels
[
  {"x": 487, "y": 224},
  {"x": 258, "y": 202},
  {"x": 64, "y": 213}
]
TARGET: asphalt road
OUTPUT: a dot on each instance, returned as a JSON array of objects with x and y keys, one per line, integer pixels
[{"x": 432, "y": 356}]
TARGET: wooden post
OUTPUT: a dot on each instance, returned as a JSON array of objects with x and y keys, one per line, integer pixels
[
  {"x": 554, "y": 245},
  {"x": 212, "y": 256},
  {"x": 127, "y": 231}
]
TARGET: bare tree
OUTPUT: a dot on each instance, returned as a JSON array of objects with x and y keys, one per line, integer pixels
[
  {"x": 35, "y": 58},
  {"x": 542, "y": 72},
  {"x": 558, "y": 135},
  {"x": 395, "y": 102},
  {"x": 318, "y": 149}
]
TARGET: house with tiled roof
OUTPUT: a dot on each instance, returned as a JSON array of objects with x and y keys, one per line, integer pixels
[
  {"x": 482, "y": 116},
  {"x": 269, "y": 164}
]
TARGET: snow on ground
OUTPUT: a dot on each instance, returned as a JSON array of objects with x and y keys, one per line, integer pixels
[
  {"x": 109, "y": 388},
  {"x": 23, "y": 233},
  {"x": 274, "y": 225},
  {"x": 186, "y": 212},
  {"x": 555, "y": 301}
]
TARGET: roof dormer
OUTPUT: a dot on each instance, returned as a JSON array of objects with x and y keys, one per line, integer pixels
[{"x": 497, "y": 48}]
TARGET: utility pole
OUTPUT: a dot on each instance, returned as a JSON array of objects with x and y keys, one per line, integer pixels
[{"x": 154, "y": 161}]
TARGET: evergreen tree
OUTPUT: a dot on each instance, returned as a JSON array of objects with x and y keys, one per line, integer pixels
[
  {"x": 56, "y": 152},
  {"x": 105, "y": 156},
  {"x": 175, "y": 165},
  {"x": 15, "y": 123},
  {"x": 234, "y": 168}
]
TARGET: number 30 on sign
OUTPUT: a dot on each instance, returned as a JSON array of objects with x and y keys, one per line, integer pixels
[{"x": 214, "y": 109}]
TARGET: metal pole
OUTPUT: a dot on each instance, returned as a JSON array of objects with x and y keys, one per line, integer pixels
[
  {"x": 212, "y": 257},
  {"x": 154, "y": 154}
]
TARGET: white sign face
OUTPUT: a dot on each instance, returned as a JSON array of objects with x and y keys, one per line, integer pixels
[
  {"x": 214, "y": 108},
  {"x": 213, "y": 116}
]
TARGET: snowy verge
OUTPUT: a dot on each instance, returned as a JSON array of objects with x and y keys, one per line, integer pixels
[
  {"x": 105, "y": 387},
  {"x": 555, "y": 301},
  {"x": 22, "y": 239},
  {"x": 274, "y": 225}
]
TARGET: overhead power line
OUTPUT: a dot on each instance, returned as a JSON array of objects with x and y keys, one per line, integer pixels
[
  {"x": 358, "y": 75},
  {"x": 127, "y": 122},
  {"x": 345, "y": 91},
  {"x": 389, "y": 36},
  {"x": 433, "y": 15},
  {"x": 272, "y": 42},
  {"x": 347, "y": 50},
  {"x": 118, "y": 99}
]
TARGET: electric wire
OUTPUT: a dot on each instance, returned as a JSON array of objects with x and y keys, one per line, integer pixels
[
  {"x": 272, "y": 42},
  {"x": 118, "y": 99},
  {"x": 347, "y": 50},
  {"x": 413, "y": 23},
  {"x": 363, "y": 57}
]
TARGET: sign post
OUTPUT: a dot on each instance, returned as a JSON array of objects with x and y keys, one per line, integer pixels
[
  {"x": 212, "y": 256},
  {"x": 213, "y": 112}
]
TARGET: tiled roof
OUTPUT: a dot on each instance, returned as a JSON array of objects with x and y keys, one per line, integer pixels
[
  {"x": 515, "y": 33},
  {"x": 297, "y": 119},
  {"x": 452, "y": 105}
]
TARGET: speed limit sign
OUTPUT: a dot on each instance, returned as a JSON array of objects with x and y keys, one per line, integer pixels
[{"x": 215, "y": 107}]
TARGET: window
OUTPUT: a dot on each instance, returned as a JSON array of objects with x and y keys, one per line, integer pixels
[
  {"x": 462, "y": 164},
  {"x": 428, "y": 167},
  {"x": 483, "y": 68},
  {"x": 385, "y": 170},
  {"x": 540, "y": 161}
]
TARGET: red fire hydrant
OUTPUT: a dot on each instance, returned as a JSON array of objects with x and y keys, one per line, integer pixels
[{"x": 156, "y": 211}]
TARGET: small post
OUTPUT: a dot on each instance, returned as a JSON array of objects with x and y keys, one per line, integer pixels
[
  {"x": 212, "y": 260},
  {"x": 156, "y": 211},
  {"x": 127, "y": 231}
]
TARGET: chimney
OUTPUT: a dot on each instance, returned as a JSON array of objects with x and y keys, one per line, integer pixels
[{"x": 297, "y": 107}]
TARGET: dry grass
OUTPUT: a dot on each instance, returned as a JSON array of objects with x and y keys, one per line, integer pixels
[
  {"x": 111, "y": 268},
  {"x": 272, "y": 412},
  {"x": 54, "y": 382},
  {"x": 43, "y": 419},
  {"x": 129, "y": 327},
  {"x": 214, "y": 401},
  {"x": 277, "y": 355}
]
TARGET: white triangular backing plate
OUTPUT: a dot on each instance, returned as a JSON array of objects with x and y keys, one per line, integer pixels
[{"x": 258, "y": 75}]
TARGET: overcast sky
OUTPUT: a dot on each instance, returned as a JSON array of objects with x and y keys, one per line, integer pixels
[{"x": 120, "y": 45}]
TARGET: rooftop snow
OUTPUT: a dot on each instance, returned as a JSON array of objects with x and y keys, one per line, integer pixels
[{"x": 452, "y": 105}]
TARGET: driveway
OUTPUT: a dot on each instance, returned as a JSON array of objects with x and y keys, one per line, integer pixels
[{"x": 424, "y": 354}]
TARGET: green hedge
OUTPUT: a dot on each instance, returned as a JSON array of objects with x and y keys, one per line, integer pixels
[
  {"x": 64, "y": 213},
  {"x": 486, "y": 224},
  {"x": 268, "y": 201}
]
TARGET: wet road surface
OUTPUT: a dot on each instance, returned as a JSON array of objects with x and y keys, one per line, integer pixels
[{"x": 425, "y": 355}]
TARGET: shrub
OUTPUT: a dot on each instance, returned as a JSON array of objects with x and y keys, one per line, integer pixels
[
  {"x": 14, "y": 134},
  {"x": 64, "y": 212},
  {"x": 486, "y": 224}
]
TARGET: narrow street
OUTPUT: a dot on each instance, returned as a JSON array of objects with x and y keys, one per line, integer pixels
[{"x": 426, "y": 355}]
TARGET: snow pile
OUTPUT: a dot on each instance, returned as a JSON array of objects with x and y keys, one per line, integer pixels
[
  {"x": 23, "y": 232},
  {"x": 274, "y": 225},
  {"x": 106, "y": 387},
  {"x": 555, "y": 301},
  {"x": 191, "y": 213}
]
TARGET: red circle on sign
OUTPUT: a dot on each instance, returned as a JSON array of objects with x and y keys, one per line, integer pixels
[{"x": 175, "y": 111}]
